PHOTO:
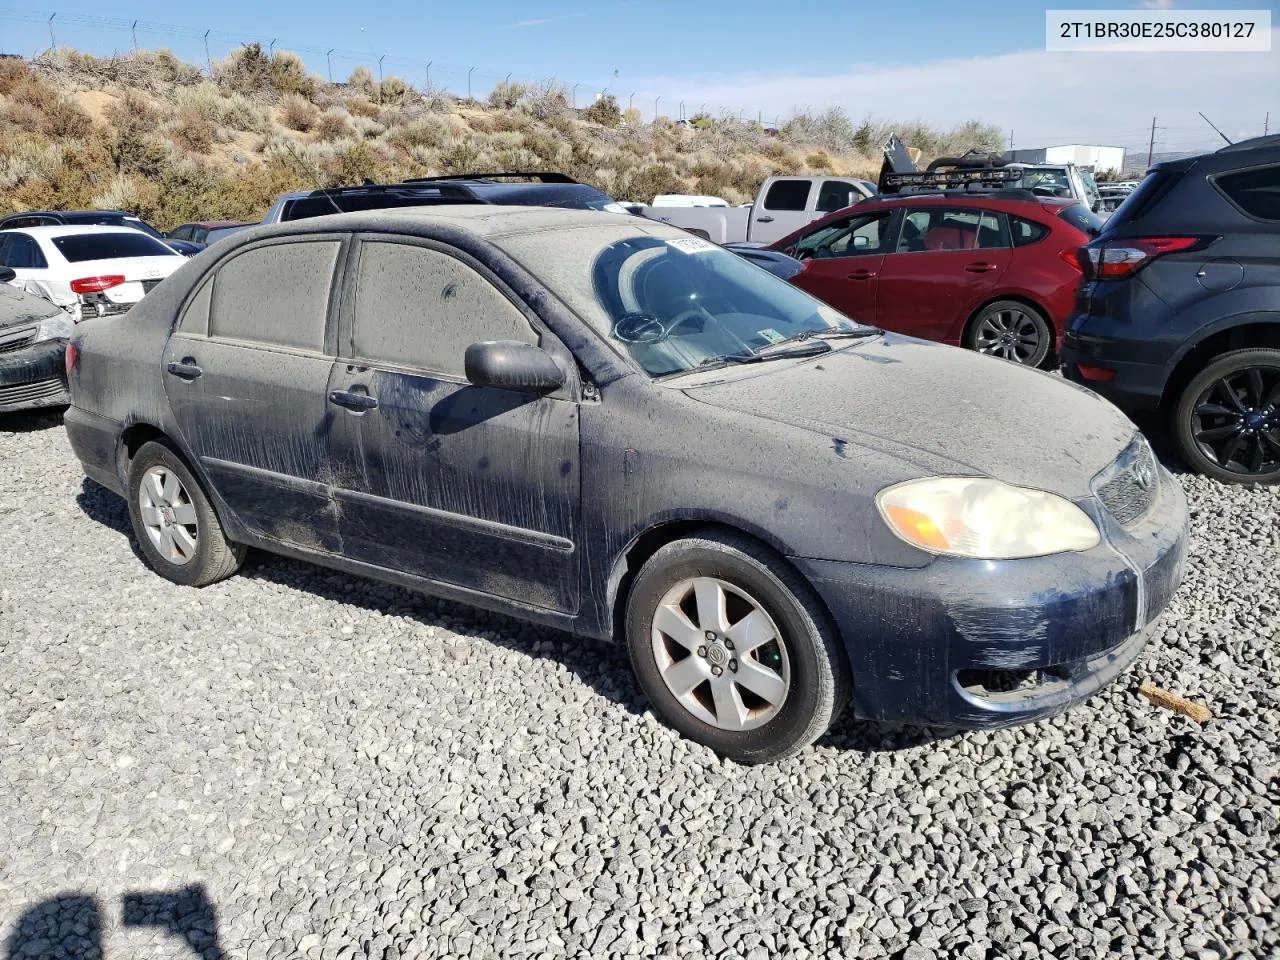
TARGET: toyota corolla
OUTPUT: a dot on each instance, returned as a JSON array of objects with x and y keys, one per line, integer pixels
[{"x": 605, "y": 425}]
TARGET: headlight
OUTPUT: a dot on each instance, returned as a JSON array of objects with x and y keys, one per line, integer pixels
[
  {"x": 984, "y": 519},
  {"x": 58, "y": 327}
]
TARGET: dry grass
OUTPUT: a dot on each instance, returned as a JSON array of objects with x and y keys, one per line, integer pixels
[{"x": 175, "y": 145}]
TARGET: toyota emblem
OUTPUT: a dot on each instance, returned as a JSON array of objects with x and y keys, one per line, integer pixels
[{"x": 1144, "y": 476}]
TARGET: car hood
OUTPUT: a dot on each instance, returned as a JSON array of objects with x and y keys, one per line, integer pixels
[
  {"x": 939, "y": 408},
  {"x": 19, "y": 307}
]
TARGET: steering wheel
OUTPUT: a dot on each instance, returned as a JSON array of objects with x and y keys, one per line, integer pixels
[
  {"x": 804, "y": 254},
  {"x": 638, "y": 328}
]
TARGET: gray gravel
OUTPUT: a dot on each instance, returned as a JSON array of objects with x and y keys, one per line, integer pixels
[{"x": 296, "y": 763}]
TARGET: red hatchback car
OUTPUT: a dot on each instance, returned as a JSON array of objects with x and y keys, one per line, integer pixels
[{"x": 991, "y": 273}]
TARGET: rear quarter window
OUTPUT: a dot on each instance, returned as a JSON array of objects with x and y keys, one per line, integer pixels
[
  {"x": 110, "y": 246},
  {"x": 1026, "y": 232},
  {"x": 1153, "y": 188},
  {"x": 1255, "y": 192}
]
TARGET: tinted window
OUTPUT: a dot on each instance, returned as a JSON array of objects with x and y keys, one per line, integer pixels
[
  {"x": 23, "y": 253},
  {"x": 1256, "y": 192},
  {"x": 16, "y": 222},
  {"x": 182, "y": 233},
  {"x": 577, "y": 196},
  {"x": 1145, "y": 195},
  {"x": 787, "y": 195},
  {"x": 847, "y": 237},
  {"x": 110, "y": 246},
  {"x": 422, "y": 308},
  {"x": 277, "y": 295},
  {"x": 1025, "y": 232},
  {"x": 111, "y": 220},
  {"x": 835, "y": 195},
  {"x": 307, "y": 207},
  {"x": 1083, "y": 219}
]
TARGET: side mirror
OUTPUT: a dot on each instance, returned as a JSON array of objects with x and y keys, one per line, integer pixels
[
  {"x": 861, "y": 243},
  {"x": 7, "y": 274},
  {"x": 511, "y": 365}
]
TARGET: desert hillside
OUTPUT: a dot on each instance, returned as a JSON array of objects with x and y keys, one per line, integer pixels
[{"x": 150, "y": 133}]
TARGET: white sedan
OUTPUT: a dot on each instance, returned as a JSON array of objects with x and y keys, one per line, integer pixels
[{"x": 88, "y": 271}]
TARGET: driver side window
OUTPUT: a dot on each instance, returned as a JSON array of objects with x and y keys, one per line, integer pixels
[{"x": 852, "y": 237}]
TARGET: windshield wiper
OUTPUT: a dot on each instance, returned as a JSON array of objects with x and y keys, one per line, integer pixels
[
  {"x": 774, "y": 351},
  {"x": 803, "y": 335}
]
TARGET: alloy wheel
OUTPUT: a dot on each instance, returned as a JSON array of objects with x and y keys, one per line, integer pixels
[
  {"x": 1236, "y": 421},
  {"x": 1010, "y": 334},
  {"x": 720, "y": 654},
  {"x": 168, "y": 515}
]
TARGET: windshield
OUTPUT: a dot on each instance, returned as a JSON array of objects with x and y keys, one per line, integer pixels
[
  {"x": 1090, "y": 186},
  {"x": 670, "y": 302},
  {"x": 1052, "y": 182}
]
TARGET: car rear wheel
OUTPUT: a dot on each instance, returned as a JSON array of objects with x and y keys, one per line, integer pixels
[
  {"x": 1011, "y": 330},
  {"x": 1227, "y": 422},
  {"x": 732, "y": 648},
  {"x": 174, "y": 522}
]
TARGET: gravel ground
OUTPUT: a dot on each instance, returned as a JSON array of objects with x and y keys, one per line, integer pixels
[{"x": 295, "y": 763}]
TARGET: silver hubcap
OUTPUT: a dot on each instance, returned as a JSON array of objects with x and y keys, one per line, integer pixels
[
  {"x": 720, "y": 654},
  {"x": 1010, "y": 335},
  {"x": 168, "y": 515}
]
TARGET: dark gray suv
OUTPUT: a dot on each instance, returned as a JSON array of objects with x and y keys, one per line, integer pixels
[{"x": 603, "y": 424}]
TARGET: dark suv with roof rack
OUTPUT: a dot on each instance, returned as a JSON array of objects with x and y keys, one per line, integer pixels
[
  {"x": 1180, "y": 311},
  {"x": 539, "y": 189}
]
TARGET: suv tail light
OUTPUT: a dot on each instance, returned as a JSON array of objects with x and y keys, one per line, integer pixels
[
  {"x": 1120, "y": 259},
  {"x": 95, "y": 284}
]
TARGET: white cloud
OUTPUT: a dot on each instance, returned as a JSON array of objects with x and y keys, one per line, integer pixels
[{"x": 1042, "y": 97}]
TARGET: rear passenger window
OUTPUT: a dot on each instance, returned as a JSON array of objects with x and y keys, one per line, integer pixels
[
  {"x": 275, "y": 295},
  {"x": 421, "y": 308},
  {"x": 788, "y": 195},
  {"x": 1256, "y": 192},
  {"x": 1025, "y": 232},
  {"x": 836, "y": 195}
]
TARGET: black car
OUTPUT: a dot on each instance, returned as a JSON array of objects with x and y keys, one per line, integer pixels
[
  {"x": 33, "y": 341},
  {"x": 1179, "y": 314},
  {"x": 106, "y": 218},
  {"x": 605, "y": 425}
]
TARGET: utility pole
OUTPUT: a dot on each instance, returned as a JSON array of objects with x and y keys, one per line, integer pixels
[
  {"x": 574, "y": 95},
  {"x": 271, "y": 49},
  {"x": 208, "y": 60},
  {"x": 1266, "y": 124},
  {"x": 328, "y": 58},
  {"x": 469, "y": 73},
  {"x": 1151, "y": 147},
  {"x": 1011, "y": 141},
  {"x": 134, "y": 28},
  {"x": 428, "y": 73},
  {"x": 53, "y": 40},
  {"x": 655, "y": 109}
]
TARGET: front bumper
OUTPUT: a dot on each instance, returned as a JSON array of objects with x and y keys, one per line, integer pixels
[
  {"x": 34, "y": 377},
  {"x": 972, "y": 643}
]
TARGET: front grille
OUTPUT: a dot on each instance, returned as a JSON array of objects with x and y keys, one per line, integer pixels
[
  {"x": 1129, "y": 486},
  {"x": 31, "y": 392},
  {"x": 11, "y": 340}
]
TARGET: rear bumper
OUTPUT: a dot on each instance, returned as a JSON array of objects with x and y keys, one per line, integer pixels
[
  {"x": 965, "y": 643},
  {"x": 1134, "y": 384},
  {"x": 34, "y": 377},
  {"x": 95, "y": 442}
]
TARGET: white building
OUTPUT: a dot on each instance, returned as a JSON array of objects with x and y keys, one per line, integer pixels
[{"x": 1097, "y": 159}]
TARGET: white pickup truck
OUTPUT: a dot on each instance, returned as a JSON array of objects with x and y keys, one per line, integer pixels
[{"x": 783, "y": 204}]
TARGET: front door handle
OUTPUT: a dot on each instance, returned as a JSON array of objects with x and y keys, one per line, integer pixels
[
  {"x": 187, "y": 369},
  {"x": 980, "y": 267},
  {"x": 764, "y": 219},
  {"x": 861, "y": 275},
  {"x": 353, "y": 401}
]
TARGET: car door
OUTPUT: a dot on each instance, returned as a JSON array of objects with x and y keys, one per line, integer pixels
[
  {"x": 946, "y": 263},
  {"x": 247, "y": 375},
  {"x": 469, "y": 486},
  {"x": 842, "y": 262},
  {"x": 784, "y": 209}
]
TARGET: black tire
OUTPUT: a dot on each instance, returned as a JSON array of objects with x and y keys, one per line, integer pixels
[
  {"x": 214, "y": 557},
  {"x": 817, "y": 666},
  {"x": 1234, "y": 372},
  {"x": 1043, "y": 333}
]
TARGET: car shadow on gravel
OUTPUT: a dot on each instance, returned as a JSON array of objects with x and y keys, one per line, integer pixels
[
  {"x": 70, "y": 925},
  {"x": 602, "y": 666},
  {"x": 31, "y": 421}
]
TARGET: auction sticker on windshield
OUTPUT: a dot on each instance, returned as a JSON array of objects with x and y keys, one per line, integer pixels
[
  {"x": 772, "y": 335},
  {"x": 1231, "y": 31},
  {"x": 692, "y": 245}
]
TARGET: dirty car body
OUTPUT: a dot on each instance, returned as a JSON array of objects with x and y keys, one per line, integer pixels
[
  {"x": 33, "y": 342},
  {"x": 544, "y": 504}
]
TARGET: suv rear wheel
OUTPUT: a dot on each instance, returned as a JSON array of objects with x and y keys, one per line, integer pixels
[
  {"x": 1227, "y": 422},
  {"x": 1011, "y": 330}
]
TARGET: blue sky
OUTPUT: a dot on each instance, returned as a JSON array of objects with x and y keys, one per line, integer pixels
[{"x": 918, "y": 60}]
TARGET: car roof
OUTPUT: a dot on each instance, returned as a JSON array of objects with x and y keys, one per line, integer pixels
[
  {"x": 70, "y": 230},
  {"x": 72, "y": 213},
  {"x": 968, "y": 199}
]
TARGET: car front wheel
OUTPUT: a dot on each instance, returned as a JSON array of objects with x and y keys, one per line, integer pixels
[
  {"x": 1227, "y": 422},
  {"x": 732, "y": 648},
  {"x": 174, "y": 523}
]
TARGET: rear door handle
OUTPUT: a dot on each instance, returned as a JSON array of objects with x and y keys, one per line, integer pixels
[
  {"x": 764, "y": 219},
  {"x": 187, "y": 369},
  {"x": 353, "y": 401},
  {"x": 861, "y": 275},
  {"x": 980, "y": 267}
]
